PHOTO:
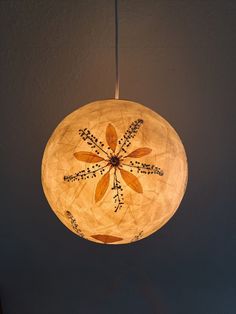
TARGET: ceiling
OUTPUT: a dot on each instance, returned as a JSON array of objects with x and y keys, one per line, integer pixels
[{"x": 176, "y": 57}]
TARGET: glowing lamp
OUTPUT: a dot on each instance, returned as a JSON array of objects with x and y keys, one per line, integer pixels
[{"x": 114, "y": 171}]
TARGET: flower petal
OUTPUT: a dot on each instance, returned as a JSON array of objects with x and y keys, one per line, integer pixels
[
  {"x": 111, "y": 136},
  {"x": 102, "y": 186},
  {"x": 106, "y": 238},
  {"x": 140, "y": 152},
  {"x": 131, "y": 180},
  {"x": 88, "y": 157}
]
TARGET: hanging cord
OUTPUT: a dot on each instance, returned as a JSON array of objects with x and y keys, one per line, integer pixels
[{"x": 117, "y": 87}]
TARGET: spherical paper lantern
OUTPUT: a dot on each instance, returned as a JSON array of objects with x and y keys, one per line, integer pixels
[{"x": 114, "y": 171}]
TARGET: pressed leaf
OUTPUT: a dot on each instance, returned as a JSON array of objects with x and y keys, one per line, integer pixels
[
  {"x": 131, "y": 180},
  {"x": 106, "y": 238},
  {"x": 111, "y": 136},
  {"x": 140, "y": 152},
  {"x": 102, "y": 186},
  {"x": 88, "y": 157}
]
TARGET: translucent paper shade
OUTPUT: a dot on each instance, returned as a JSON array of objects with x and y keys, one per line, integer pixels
[{"x": 114, "y": 171}]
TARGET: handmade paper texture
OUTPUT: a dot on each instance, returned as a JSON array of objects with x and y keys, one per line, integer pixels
[{"x": 114, "y": 171}]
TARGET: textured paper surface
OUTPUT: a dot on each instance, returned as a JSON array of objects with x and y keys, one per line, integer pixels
[{"x": 146, "y": 208}]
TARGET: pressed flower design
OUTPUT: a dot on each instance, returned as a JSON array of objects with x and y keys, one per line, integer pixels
[
  {"x": 74, "y": 223},
  {"x": 113, "y": 159}
]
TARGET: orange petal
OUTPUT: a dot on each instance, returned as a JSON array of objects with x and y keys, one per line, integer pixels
[
  {"x": 102, "y": 186},
  {"x": 87, "y": 157},
  {"x": 111, "y": 136},
  {"x": 131, "y": 180},
  {"x": 140, "y": 152},
  {"x": 106, "y": 238}
]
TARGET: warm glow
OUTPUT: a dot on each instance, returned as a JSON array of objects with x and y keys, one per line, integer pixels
[{"x": 114, "y": 171}]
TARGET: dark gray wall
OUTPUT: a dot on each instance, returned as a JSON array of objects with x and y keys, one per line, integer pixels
[{"x": 177, "y": 57}]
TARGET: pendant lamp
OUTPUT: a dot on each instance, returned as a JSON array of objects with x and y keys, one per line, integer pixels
[{"x": 114, "y": 171}]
